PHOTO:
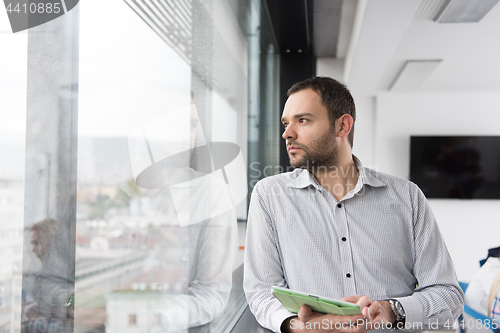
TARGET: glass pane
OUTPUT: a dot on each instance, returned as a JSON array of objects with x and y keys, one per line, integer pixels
[
  {"x": 12, "y": 145},
  {"x": 264, "y": 123},
  {"x": 161, "y": 169},
  {"x": 50, "y": 176}
]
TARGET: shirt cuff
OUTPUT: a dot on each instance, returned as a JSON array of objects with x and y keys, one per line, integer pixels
[
  {"x": 413, "y": 312},
  {"x": 278, "y": 319}
]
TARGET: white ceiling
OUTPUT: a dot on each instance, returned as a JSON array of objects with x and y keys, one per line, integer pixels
[{"x": 391, "y": 32}]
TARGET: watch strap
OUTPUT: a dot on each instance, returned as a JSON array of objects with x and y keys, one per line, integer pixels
[{"x": 399, "y": 313}]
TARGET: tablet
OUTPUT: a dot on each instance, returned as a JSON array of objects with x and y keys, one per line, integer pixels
[{"x": 292, "y": 300}]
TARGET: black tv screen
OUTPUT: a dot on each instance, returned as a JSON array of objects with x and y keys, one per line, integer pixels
[{"x": 464, "y": 167}]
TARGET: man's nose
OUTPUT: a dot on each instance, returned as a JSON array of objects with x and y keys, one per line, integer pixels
[{"x": 289, "y": 133}]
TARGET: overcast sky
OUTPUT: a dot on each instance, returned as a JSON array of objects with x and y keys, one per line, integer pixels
[{"x": 124, "y": 70}]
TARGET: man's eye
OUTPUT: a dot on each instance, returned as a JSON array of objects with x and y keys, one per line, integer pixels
[
  {"x": 302, "y": 120},
  {"x": 285, "y": 125}
]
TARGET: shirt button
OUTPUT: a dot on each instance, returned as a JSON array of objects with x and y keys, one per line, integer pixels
[
  {"x": 344, "y": 239},
  {"x": 339, "y": 205},
  {"x": 348, "y": 275}
]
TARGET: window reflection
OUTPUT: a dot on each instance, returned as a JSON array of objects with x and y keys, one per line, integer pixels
[
  {"x": 44, "y": 301},
  {"x": 156, "y": 219}
]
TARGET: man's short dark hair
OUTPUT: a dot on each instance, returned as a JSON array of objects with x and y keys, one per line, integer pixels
[{"x": 335, "y": 97}]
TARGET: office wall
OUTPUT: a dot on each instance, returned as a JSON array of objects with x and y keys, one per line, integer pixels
[
  {"x": 365, "y": 111},
  {"x": 469, "y": 227},
  {"x": 364, "y": 129}
]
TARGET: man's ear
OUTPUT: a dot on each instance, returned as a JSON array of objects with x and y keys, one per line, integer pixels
[{"x": 344, "y": 125}]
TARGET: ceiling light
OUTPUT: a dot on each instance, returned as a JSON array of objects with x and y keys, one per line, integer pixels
[
  {"x": 464, "y": 11},
  {"x": 413, "y": 74}
]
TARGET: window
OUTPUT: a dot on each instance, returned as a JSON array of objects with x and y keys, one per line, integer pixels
[{"x": 135, "y": 126}]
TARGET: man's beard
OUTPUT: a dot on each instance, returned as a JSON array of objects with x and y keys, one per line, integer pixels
[{"x": 322, "y": 152}]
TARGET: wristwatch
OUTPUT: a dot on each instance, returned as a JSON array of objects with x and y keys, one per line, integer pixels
[{"x": 399, "y": 312}]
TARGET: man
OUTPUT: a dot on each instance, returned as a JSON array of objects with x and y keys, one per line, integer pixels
[
  {"x": 49, "y": 289},
  {"x": 41, "y": 237},
  {"x": 336, "y": 229}
]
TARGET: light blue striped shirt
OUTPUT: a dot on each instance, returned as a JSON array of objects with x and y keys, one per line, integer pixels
[{"x": 381, "y": 240}]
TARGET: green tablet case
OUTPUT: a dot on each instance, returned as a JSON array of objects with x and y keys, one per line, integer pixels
[{"x": 292, "y": 300}]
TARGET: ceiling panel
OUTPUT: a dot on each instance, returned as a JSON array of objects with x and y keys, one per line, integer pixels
[
  {"x": 394, "y": 32},
  {"x": 326, "y": 27}
]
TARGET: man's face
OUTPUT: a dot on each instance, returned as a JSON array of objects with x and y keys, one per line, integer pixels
[
  {"x": 310, "y": 140},
  {"x": 40, "y": 247}
]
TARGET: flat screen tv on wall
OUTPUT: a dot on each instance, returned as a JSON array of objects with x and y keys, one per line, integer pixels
[{"x": 463, "y": 167}]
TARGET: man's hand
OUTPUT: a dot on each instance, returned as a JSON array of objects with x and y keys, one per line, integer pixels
[
  {"x": 379, "y": 312},
  {"x": 374, "y": 315},
  {"x": 315, "y": 322},
  {"x": 309, "y": 321}
]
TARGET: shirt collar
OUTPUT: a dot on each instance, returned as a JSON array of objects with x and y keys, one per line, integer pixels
[
  {"x": 302, "y": 178},
  {"x": 368, "y": 176}
]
